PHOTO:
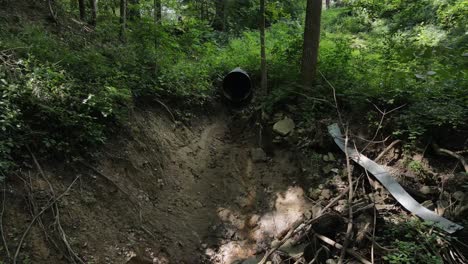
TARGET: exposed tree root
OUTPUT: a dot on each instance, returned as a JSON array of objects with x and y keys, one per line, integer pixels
[{"x": 442, "y": 151}]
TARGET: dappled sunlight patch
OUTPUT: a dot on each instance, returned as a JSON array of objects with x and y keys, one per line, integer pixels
[{"x": 253, "y": 230}]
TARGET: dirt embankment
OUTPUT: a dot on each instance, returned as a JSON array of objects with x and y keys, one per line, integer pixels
[{"x": 168, "y": 193}]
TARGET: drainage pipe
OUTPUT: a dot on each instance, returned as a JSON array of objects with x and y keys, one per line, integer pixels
[{"x": 237, "y": 86}]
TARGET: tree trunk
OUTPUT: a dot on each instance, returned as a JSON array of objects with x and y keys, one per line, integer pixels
[
  {"x": 327, "y": 4},
  {"x": 311, "y": 42},
  {"x": 157, "y": 11},
  {"x": 82, "y": 7},
  {"x": 219, "y": 19},
  {"x": 93, "y": 4},
  {"x": 264, "y": 86},
  {"x": 123, "y": 18},
  {"x": 134, "y": 10}
]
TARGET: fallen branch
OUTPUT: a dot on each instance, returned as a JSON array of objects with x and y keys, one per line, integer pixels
[
  {"x": 387, "y": 149},
  {"x": 299, "y": 226},
  {"x": 49, "y": 205},
  {"x": 339, "y": 246},
  {"x": 442, "y": 151},
  {"x": 350, "y": 202}
]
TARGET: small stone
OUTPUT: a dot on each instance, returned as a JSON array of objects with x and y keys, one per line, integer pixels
[
  {"x": 429, "y": 205},
  {"x": 428, "y": 190},
  {"x": 331, "y": 157},
  {"x": 284, "y": 126},
  {"x": 325, "y": 157},
  {"x": 314, "y": 194},
  {"x": 326, "y": 194},
  {"x": 258, "y": 155},
  {"x": 459, "y": 196},
  {"x": 253, "y": 221},
  {"x": 330, "y": 261}
]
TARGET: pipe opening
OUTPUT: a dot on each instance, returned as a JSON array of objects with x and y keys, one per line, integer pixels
[{"x": 237, "y": 86}]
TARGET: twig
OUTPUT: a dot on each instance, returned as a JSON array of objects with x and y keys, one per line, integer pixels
[
  {"x": 334, "y": 97},
  {"x": 350, "y": 201},
  {"x": 5, "y": 245},
  {"x": 297, "y": 227},
  {"x": 387, "y": 149},
  {"x": 384, "y": 113},
  {"x": 50, "y": 204},
  {"x": 442, "y": 151},
  {"x": 166, "y": 108},
  {"x": 72, "y": 253},
  {"x": 314, "y": 98},
  {"x": 375, "y": 218},
  {"x": 339, "y": 246}
]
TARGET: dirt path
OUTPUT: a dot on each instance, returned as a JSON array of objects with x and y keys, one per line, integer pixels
[{"x": 180, "y": 195}]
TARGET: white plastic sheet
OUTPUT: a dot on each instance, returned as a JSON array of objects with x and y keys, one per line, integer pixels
[{"x": 392, "y": 185}]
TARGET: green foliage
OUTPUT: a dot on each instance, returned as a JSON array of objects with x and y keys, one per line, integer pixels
[
  {"x": 43, "y": 106},
  {"x": 403, "y": 53},
  {"x": 413, "y": 242}
]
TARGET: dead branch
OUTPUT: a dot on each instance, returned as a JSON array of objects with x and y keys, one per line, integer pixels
[
  {"x": 339, "y": 246},
  {"x": 165, "y": 108},
  {"x": 350, "y": 201},
  {"x": 334, "y": 97},
  {"x": 442, "y": 151},
  {"x": 44, "y": 209},
  {"x": 299, "y": 226},
  {"x": 387, "y": 149},
  {"x": 384, "y": 113},
  {"x": 51, "y": 11}
]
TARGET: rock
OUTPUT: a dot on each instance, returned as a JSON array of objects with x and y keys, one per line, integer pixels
[
  {"x": 331, "y": 157},
  {"x": 258, "y": 155},
  {"x": 314, "y": 194},
  {"x": 459, "y": 196},
  {"x": 428, "y": 190},
  {"x": 284, "y": 126},
  {"x": 326, "y": 194},
  {"x": 325, "y": 157},
  {"x": 429, "y": 205},
  {"x": 327, "y": 168},
  {"x": 253, "y": 221},
  {"x": 330, "y": 261}
]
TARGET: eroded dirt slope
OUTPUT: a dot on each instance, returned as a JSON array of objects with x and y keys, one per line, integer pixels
[{"x": 172, "y": 194}]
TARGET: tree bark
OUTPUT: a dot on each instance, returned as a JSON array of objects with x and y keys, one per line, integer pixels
[
  {"x": 82, "y": 7},
  {"x": 93, "y": 4},
  {"x": 311, "y": 42},
  {"x": 264, "y": 87},
  {"x": 123, "y": 18},
  {"x": 219, "y": 20},
  {"x": 157, "y": 11},
  {"x": 134, "y": 10}
]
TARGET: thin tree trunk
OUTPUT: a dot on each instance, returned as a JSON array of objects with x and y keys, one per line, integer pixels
[
  {"x": 93, "y": 4},
  {"x": 123, "y": 18},
  {"x": 327, "y": 3},
  {"x": 218, "y": 23},
  {"x": 264, "y": 86},
  {"x": 82, "y": 7},
  {"x": 134, "y": 10},
  {"x": 311, "y": 42},
  {"x": 157, "y": 11}
]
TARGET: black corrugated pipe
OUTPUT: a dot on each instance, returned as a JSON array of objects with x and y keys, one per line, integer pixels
[{"x": 237, "y": 86}]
